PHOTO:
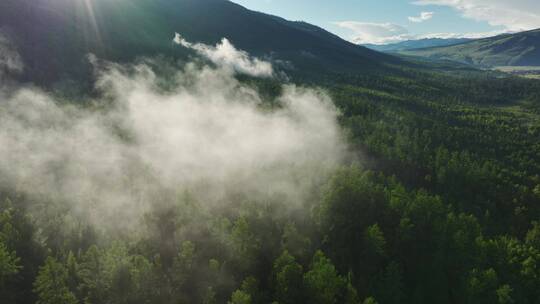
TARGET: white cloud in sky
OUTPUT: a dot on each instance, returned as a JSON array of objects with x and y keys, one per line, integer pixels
[
  {"x": 514, "y": 15},
  {"x": 225, "y": 55},
  {"x": 376, "y": 33},
  {"x": 508, "y": 16},
  {"x": 424, "y": 16},
  {"x": 385, "y": 33}
]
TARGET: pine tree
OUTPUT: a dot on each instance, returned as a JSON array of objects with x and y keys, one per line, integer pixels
[
  {"x": 51, "y": 284},
  {"x": 9, "y": 263}
]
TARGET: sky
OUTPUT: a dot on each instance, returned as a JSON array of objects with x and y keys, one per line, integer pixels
[{"x": 389, "y": 21}]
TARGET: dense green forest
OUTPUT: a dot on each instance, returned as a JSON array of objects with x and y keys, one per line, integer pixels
[{"x": 439, "y": 203}]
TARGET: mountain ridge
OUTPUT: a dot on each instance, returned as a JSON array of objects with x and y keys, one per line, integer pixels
[
  {"x": 62, "y": 32},
  {"x": 519, "y": 49},
  {"x": 416, "y": 44}
]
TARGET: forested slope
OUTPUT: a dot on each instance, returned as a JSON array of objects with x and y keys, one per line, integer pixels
[{"x": 519, "y": 49}]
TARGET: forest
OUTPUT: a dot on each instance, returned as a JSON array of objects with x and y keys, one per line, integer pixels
[{"x": 436, "y": 200}]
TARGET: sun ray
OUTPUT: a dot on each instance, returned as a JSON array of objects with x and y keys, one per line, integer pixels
[{"x": 90, "y": 13}]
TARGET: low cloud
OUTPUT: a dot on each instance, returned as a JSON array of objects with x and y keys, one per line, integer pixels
[
  {"x": 424, "y": 16},
  {"x": 477, "y": 35},
  {"x": 516, "y": 15},
  {"x": 225, "y": 55},
  {"x": 10, "y": 61},
  {"x": 207, "y": 134}
]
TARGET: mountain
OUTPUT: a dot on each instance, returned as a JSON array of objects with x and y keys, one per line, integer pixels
[
  {"x": 54, "y": 36},
  {"x": 520, "y": 49},
  {"x": 415, "y": 44}
]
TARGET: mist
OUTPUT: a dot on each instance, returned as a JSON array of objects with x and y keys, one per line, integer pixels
[
  {"x": 227, "y": 56},
  {"x": 10, "y": 61},
  {"x": 139, "y": 145}
]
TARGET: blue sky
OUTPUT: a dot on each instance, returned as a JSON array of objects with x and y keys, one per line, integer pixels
[{"x": 385, "y": 21}]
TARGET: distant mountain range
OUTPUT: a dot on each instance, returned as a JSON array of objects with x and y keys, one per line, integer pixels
[
  {"x": 416, "y": 44},
  {"x": 520, "y": 49},
  {"x": 54, "y": 36}
]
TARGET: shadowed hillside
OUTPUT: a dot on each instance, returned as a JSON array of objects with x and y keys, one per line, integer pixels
[{"x": 53, "y": 36}]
